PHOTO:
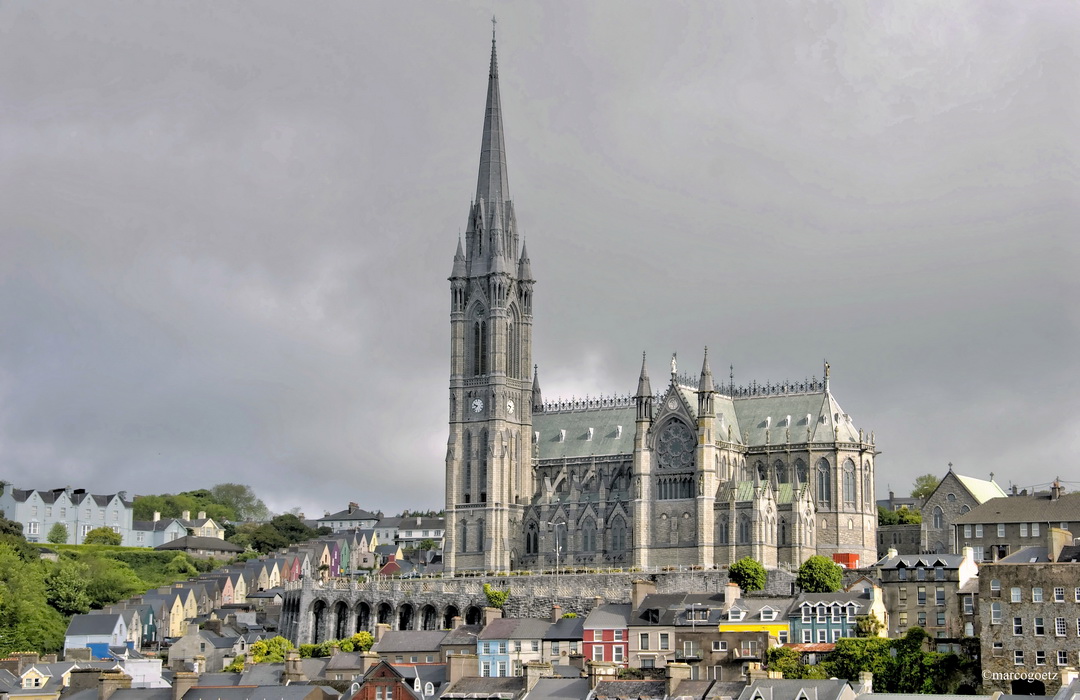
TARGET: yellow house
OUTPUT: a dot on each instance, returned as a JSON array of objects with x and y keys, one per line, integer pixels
[{"x": 768, "y": 615}]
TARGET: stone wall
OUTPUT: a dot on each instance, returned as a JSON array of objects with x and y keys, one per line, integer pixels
[{"x": 317, "y": 612}]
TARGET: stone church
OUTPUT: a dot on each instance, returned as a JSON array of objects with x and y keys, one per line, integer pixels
[{"x": 696, "y": 473}]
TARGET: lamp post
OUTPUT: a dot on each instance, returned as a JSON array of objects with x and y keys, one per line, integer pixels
[{"x": 558, "y": 551}]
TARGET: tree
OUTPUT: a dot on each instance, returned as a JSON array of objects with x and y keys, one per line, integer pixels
[
  {"x": 819, "y": 574},
  {"x": 748, "y": 574},
  {"x": 868, "y": 626},
  {"x": 103, "y": 535},
  {"x": 58, "y": 534},
  {"x": 27, "y": 621},
  {"x": 242, "y": 500},
  {"x": 789, "y": 662},
  {"x": 908, "y": 516},
  {"x": 496, "y": 598},
  {"x": 924, "y": 486},
  {"x": 886, "y": 516},
  {"x": 65, "y": 587}
]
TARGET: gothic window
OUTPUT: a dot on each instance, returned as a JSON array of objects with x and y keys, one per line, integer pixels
[
  {"x": 939, "y": 518},
  {"x": 783, "y": 531},
  {"x": 800, "y": 471},
  {"x": 480, "y": 535},
  {"x": 588, "y": 535},
  {"x": 824, "y": 482},
  {"x": 762, "y": 473},
  {"x": 532, "y": 539},
  {"x": 744, "y": 529},
  {"x": 675, "y": 446},
  {"x": 560, "y": 537},
  {"x": 724, "y": 536},
  {"x": 464, "y": 537},
  {"x": 867, "y": 489},
  {"x": 513, "y": 346},
  {"x": 849, "y": 482},
  {"x": 618, "y": 534},
  {"x": 780, "y": 471}
]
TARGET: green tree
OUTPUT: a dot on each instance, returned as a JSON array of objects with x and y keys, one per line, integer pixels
[
  {"x": 240, "y": 497},
  {"x": 270, "y": 650},
  {"x": 496, "y": 598},
  {"x": 819, "y": 574},
  {"x": 748, "y": 574},
  {"x": 110, "y": 580},
  {"x": 789, "y": 662},
  {"x": 266, "y": 538},
  {"x": 58, "y": 534},
  {"x": 886, "y": 516},
  {"x": 924, "y": 486},
  {"x": 103, "y": 535},
  {"x": 868, "y": 626},
  {"x": 65, "y": 587},
  {"x": 27, "y": 621},
  {"x": 909, "y": 516}
]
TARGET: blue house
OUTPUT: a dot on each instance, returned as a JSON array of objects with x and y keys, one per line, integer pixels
[
  {"x": 506, "y": 644},
  {"x": 97, "y": 633},
  {"x": 825, "y": 617}
]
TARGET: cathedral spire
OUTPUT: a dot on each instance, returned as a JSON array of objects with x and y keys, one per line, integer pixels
[
  {"x": 643, "y": 387},
  {"x": 537, "y": 397},
  {"x": 706, "y": 383},
  {"x": 492, "y": 187},
  {"x": 460, "y": 270}
]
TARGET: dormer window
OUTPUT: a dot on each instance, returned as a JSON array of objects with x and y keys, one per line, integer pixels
[
  {"x": 768, "y": 614},
  {"x": 736, "y": 614}
]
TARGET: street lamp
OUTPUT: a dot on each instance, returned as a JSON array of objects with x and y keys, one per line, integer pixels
[{"x": 558, "y": 551}]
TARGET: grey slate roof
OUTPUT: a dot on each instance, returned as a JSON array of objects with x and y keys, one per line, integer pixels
[
  {"x": 92, "y": 624},
  {"x": 1027, "y": 555},
  {"x": 560, "y": 689},
  {"x": 409, "y": 641},
  {"x": 515, "y": 628},
  {"x": 631, "y": 689},
  {"x": 465, "y": 634},
  {"x": 1025, "y": 509},
  {"x": 477, "y": 687},
  {"x": 788, "y": 689},
  {"x": 569, "y": 628},
  {"x": 271, "y": 692},
  {"x": 193, "y": 542},
  {"x": 608, "y": 616},
  {"x": 911, "y": 561}
]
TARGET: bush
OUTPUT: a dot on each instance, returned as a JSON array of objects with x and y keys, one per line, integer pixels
[
  {"x": 748, "y": 574},
  {"x": 819, "y": 574},
  {"x": 103, "y": 535}
]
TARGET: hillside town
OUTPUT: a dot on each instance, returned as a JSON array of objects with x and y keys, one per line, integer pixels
[{"x": 367, "y": 610}]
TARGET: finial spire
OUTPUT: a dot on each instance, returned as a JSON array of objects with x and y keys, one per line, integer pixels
[
  {"x": 492, "y": 185},
  {"x": 706, "y": 383},
  {"x": 643, "y": 387}
]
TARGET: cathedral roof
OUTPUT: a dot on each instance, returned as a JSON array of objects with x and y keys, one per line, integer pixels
[
  {"x": 761, "y": 416},
  {"x": 582, "y": 433}
]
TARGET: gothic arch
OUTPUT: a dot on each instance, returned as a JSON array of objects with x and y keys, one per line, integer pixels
[
  {"x": 824, "y": 483},
  {"x": 780, "y": 472},
  {"x": 849, "y": 482}
]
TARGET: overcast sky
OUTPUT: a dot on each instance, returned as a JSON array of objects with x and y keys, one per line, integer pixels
[{"x": 227, "y": 227}]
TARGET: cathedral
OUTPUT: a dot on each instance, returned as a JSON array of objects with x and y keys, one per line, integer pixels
[{"x": 696, "y": 473}]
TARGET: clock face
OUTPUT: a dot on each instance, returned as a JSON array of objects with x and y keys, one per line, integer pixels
[
  {"x": 509, "y": 405},
  {"x": 477, "y": 405}
]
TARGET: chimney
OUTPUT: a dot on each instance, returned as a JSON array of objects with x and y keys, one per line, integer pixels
[
  {"x": 891, "y": 553},
  {"x": 185, "y": 515},
  {"x": 214, "y": 625},
  {"x": 198, "y": 664},
  {"x": 865, "y": 685},
  {"x": 82, "y": 679},
  {"x": 1056, "y": 538},
  {"x": 732, "y": 593},
  {"x": 183, "y": 681},
  {"x": 381, "y": 629},
  {"x": 26, "y": 660},
  {"x": 202, "y": 515},
  {"x": 601, "y": 671},
  {"x": 368, "y": 660},
  {"x": 755, "y": 672},
  {"x": 111, "y": 681},
  {"x": 491, "y": 614},
  {"x": 675, "y": 674},
  {"x": 455, "y": 622},
  {"x": 638, "y": 590},
  {"x": 353, "y": 507},
  {"x": 294, "y": 672},
  {"x": 460, "y": 666},
  {"x": 48, "y": 658},
  {"x": 1055, "y": 490},
  {"x": 534, "y": 671},
  {"x": 157, "y": 516},
  {"x": 556, "y": 612}
]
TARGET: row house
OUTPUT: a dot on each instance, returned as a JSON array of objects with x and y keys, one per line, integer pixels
[
  {"x": 78, "y": 511},
  {"x": 413, "y": 531},
  {"x": 562, "y": 644},
  {"x": 925, "y": 591},
  {"x": 821, "y": 618},
  {"x": 1005, "y": 525},
  {"x": 605, "y": 633},
  {"x": 96, "y": 633},
  {"x": 352, "y": 518},
  {"x": 1029, "y": 603},
  {"x": 505, "y": 645}
]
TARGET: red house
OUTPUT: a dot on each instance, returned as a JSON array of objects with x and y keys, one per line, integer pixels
[{"x": 607, "y": 633}]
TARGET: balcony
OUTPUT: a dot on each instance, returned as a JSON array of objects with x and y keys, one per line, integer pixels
[{"x": 688, "y": 654}]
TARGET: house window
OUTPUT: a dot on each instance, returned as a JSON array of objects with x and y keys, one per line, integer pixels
[
  {"x": 1018, "y": 657},
  {"x": 597, "y": 635},
  {"x": 1036, "y": 595},
  {"x": 32, "y": 528},
  {"x": 502, "y": 647},
  {"x": 598, "y": 652},
  {"x": 940, "y": 598},
  {"x": 555, "y": 648},
  {"x": 807, "y": 636},
  {"x": 1018, "y": 626},
  {"x": 619, "y": 635},
  {"x": 901, "y": 574},
  {"x": 664, "y": 641},
  {"x": 978, "y": 531},
  {"x": 903, "y": 595},
  {"x": 806, "y": 613},
  {"x": 922, "y": 619},
  {"x": 1059, "y": 626},
  {"x": 967, "y": 531},
  {"x": 995, "y": 613},
  {"x": 643, "y": 642},
  {"x": 1001, "y": 529},
  {"x": 1035, "y": 533},
  {"x": 63, "y": 512},
  {"x": 922, "y": 595},
  {"x": 821, "y": 613},
  {"x": 1063, "y": 658},
  {"x": 903, "y": 619},
  {"x": 1014, "y": 594},
  {"x": 969, "y": 605},
  {"x": 618, "y": 653},
  {"x": 941, "y": 619},
  {"x": 939, "y": 574},
  {"x": 719, "y": 645},
  {"x": 517, "y": 645},
  {"x": 1023, "y": 529},
  {"x": 502, "y": 670},
  {"x": 536, "y": 645},
  {"x": 485, "y": 669},
  {"x": 1040, "y": 628},
  {"x": 1040, "y": 658},
  {"x": 1059, "y": 594},
  {"x": 920, "y": 574},
  {"x": 822, "y": 636}
]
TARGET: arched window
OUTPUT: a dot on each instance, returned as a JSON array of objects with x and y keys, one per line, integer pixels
[
  {"x": 783, "y": 531},
  {"x": 480, "y": 353},
  {"x": 939, "y": 518},
  {"x": 824, "y": 483},
  {"x": 618, "y": 534},
  {"x": 588, "y": 535},
  {"x": 950, "y": 497},
  {"x": 800, "y": 471},
  {"x": 480, "y": 535},
  {"x": 744, "y": 529},
  {"x": 513, "y": 346},
  {"x": 849, "y": 482},
  {"x": 964, "y": 509},
  {"x": 867, "y": 487},
  {"x": 531, "y": 539},
  {"x": 724, "y": 535},
  {"x": 463, "y": 544},
  {"x": 780, "y": 471},
  {"x": 762, "y": 473}
]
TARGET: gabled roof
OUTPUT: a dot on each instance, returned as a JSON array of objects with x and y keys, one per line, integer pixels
[
  {"x": 347, "y": 514},
  {"x": 793, "y": 689},
  {"x": 93, "y": 624},
  {"x": 982, "y": 490},
  {"x": 208, "y": 543},
  {"x": 409, "y": 641},
  {"x": 1019, "y": 509},
  {"x": 568, "y": 628},
  {"x": 515, "y": 628},
  {"x": 911, "y": 561}
]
